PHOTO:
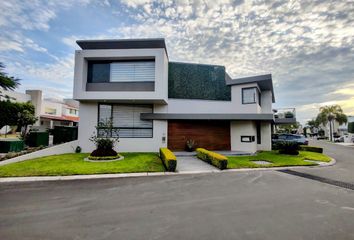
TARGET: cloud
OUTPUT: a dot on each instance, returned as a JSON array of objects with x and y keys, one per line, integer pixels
[{"x": 308, "y": 46}]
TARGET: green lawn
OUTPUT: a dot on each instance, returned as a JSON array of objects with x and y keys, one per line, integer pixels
[
  {"x": 74, "y": 164},
  {"x": 277, "y": 160}
]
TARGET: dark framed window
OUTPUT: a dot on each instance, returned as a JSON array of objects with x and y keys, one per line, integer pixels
[
  {"x": 126, "y": 118},
  {"x": 249, "y": 95},
  {"x": 258, "y": 126},
  {"x": 121, "y": 71}
]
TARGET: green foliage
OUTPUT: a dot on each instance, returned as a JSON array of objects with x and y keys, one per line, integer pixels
[
  {"x": 311, "y": 149},
  {"x": 74, "y": 164},
  {"x": 168, "y": 159},
  {"x": 351, "y": 127},
  {"x": 286, "y": 147},
  {"x": 7, "y": 82},
  {"x": 314, "y": 123},
  {"x": 330, "y": 113},
  {"x": 78, "y": 149},
  {"x": 213, "y": 158},
  {"x": 190, "y": 145},
  {"x": 16, "y": 113},
  {"x": 276, "y": 159},
  {"x": 197, "y": 81},
  {"x": 288, "y": 128},
  {"x": 288, "y": 114},
  {"x": 104, "y": 139}
]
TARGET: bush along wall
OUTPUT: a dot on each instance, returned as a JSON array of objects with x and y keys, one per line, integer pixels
[
  {"x": 213, "y": 158},
  {"x": 169, "y": 160},
  {"x": 351, "y": 127},
  {"x": 311, "y": 149}
]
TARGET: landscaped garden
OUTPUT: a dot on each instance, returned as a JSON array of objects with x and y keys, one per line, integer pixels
[
  {"x": 275, "y": 159},
  {"x": 74, "y": 164}
]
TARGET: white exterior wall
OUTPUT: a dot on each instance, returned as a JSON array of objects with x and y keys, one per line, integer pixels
[
  {"x": 266, "y": 102},
  {"x": 243, "y": 128},
  {"x": 161, "y": 73},
  {"x": 89, "y": 112},
  {"x": 213, "y": 106},
  {"x": 15, "y": 96},
  {"x": 266, "y": 137}
]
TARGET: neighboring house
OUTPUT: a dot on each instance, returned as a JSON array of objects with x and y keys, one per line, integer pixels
[
  {"x": 157, "y": 103},
  {"x": 50, "y": 112}
]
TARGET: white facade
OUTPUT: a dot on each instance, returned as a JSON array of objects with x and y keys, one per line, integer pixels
[{"x": 90, "y": 100}]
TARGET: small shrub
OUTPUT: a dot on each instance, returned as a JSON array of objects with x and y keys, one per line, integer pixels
[
  {"x": 311, "y": 149},
  {"x": 213, "y": 158},
  {"x": 169, "y": 160},
  {"x": 288, "y": 115},
  {"x": 190, "y": 145},
  {"x": 78, "y": 149},
  {"x": 291, "y": 148},
  {"x": 105, "y": 141}
]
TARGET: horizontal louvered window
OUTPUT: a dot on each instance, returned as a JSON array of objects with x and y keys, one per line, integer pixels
[
  {"x": 134, "y": 71},
  {"x": 126, "y": 118}
]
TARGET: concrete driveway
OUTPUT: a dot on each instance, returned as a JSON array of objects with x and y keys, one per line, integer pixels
[{"x": 248, "y": 205}]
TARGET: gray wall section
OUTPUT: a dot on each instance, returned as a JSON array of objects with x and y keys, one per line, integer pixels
[{"x": 121, "y": 86}]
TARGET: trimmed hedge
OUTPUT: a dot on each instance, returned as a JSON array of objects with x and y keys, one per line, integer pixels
[
  {"x": 311, "y": 149},
  {"x": 213, "y": 158},
  {"x": 168, "y": 159},
  {"x": 285, "y": 147}
]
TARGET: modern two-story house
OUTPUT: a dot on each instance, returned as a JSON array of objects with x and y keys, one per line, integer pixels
[{"x": 157, "y": 103}]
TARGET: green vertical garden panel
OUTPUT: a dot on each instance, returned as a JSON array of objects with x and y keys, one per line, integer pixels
[{"x": 197, "y": 81}]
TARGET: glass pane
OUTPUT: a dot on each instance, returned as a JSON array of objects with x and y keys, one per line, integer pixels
[
  {"x": 104, "y": 113},
  {"x": 141, "y": 71},
  {"x": 249, "y": 95}
]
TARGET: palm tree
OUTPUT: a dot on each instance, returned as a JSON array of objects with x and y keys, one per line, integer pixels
[
  {"x": 329, "y": 114},
  {"x": 7, "y": 82}
]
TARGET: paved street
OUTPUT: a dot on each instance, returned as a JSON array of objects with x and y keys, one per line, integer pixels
[
  {"x": 343, "y": 170},
  {"x": 238, "y": 205},
  {"x": 247, "y": 205}
]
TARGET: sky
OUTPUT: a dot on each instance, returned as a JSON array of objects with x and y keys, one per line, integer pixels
[{"x": 307, "y": 46}]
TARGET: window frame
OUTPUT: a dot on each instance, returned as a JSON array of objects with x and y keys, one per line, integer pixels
[
  {"x": 255, "y": 95},
  {"x": 112, "y": 104}
]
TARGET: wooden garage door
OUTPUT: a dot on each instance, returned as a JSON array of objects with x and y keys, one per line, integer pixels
[{"x": 212, "y": 135}]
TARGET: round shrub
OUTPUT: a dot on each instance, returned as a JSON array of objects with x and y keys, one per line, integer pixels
[{"x": 290, "y": 148}]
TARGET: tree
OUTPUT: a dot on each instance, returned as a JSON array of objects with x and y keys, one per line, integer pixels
[
  {"x": 329, "y": 114},
  {"x": 18, "y": 114},
  {"x": 288, "y": 128},
  {"x": 7, "y": 82}
]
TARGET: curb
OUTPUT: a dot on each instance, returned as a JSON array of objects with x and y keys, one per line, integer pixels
[{"x": 149, "y": 174}]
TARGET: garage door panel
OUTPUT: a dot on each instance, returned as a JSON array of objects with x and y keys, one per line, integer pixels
[{"x": 213, "y": 135}]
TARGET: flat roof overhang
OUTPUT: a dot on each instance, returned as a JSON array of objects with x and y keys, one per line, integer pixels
[
  {"x": 122, "y": 44},
  {"x": 264, "y": 82},
  {"x": 206, "y": 116}
]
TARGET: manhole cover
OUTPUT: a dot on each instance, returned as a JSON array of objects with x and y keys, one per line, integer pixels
[{"x": 262, "y": 162}]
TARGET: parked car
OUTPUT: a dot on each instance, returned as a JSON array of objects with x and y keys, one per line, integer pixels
[
  {"x": 300, "y": 139},
  {"x": 339, "y": 139}
]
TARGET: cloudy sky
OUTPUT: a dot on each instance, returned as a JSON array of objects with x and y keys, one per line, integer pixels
[{"x": 308, "y": 46}]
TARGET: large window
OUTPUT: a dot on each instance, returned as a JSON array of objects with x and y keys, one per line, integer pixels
[
  {"x": 142, "y": 71},
  {"x": 249, "y": 95},
  {"x": 121, "y": 71},
  {"x": 126, "y": 118}
]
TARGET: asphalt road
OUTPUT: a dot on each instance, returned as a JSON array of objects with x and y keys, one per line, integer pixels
[
  {"x": 343, "y": 170},
  {"x": 243, "y": 205}
]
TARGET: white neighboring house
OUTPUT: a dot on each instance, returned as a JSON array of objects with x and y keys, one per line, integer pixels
[
  {"x": 50, "y": 112},
  {"x": 157, "y": 103}
]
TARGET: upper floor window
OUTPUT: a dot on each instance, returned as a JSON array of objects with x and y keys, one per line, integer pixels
[
  {"x": 121, "y": 71},
  {"x": 249, "y": 95},
  {"x": 50, "y": 111},
  {"x": 143, "y": 71}
]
